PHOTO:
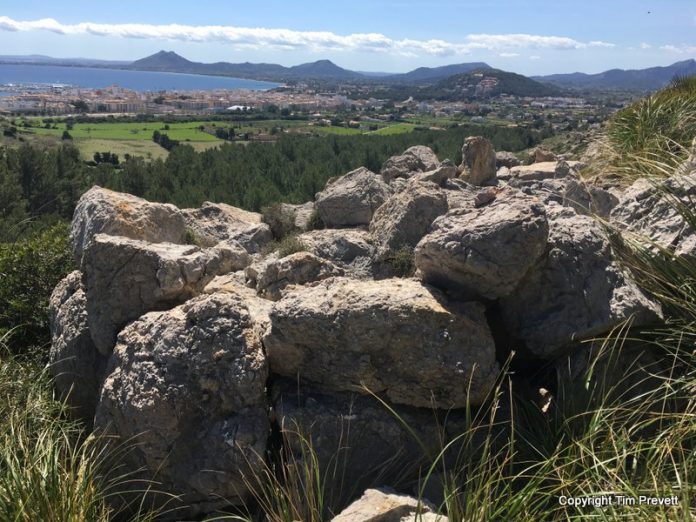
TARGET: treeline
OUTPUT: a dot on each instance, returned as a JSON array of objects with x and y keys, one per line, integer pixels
[{"x": 43, "y": 184}]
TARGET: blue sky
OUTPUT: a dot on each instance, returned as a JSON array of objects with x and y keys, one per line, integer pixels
[{"x": 530, "y": 37}]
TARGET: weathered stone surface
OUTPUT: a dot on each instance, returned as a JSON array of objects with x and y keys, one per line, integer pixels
[
  {"x": 541, "y": 155},
  {"x": 485, "y": 252},
  {"x": 460, "y": 194},
  {"x": 75, "y": 364},
  {"x": 346, "y": 248},
  {"x": 506, "y": 159},
  {"x": 125, "y": 278},
  {"x": 446, "y": 170},
  {"x": 406, "y": 217},
  {"x": 394, "y": 336},
  {"x": 545, "y": 170},
  {"x": 478, "y": 161},
  {"x": 577, "y": 292},
  {"x": 215, "y": 222},
  {"x": 270, "y": 278},
  {"x": 103, "y": 211},
  {"x": 284, "y": 218},
  {"x": 648, "y": 208},
  {"x": 352, "y": 200},
  {"x": 188, "y": 386},
  {"x": 414, "y": 159},
  {"x": 385, "y": 505}
]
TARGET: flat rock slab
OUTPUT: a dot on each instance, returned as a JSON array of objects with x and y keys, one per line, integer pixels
[
  {"x": 394, "y": 336},
  {"x": 385, "y": 505},
  {"x": 414, "y": 159}
]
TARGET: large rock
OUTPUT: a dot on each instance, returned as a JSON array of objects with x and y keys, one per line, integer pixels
[
  {"x": 406, "y": 217},
  {"x": 541, "y": 155},
  {"x": 446, "y": 170},
  {"x": 478, "y": 161},
  {"x": 271, "y": 277},
  {"x": 284, "y": 218},
  {"x": 102, "y": 211},
  {"x": 188, "y": 387},
  {"x": 577, "y": 292},
  {"x": 393, "y": 336},
  {"x": 545, "y": 170},
  {"x": 651, "y": 210},
  {"x": 347, "y": 248},
  {"x": 485, "y": 252},
  {"x": 385, "y": 505},
  {"x": 414, "y": 159},
  {"x": 75, "y": 364},
  {"x": 351, "y": 200},
  {"x": 215, "y": 222},
  {"x": 124, "y": 278},
  {"x": 506, "y": 159}
]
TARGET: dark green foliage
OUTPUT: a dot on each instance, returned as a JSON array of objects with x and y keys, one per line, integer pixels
[
  {"x": 315, "y": 221},
  {"x": 281, "y": 223},
  {"x": 290, "y": 244},
  {"x": 401, "y": 262},
  {"x": 29, "y": 270}
]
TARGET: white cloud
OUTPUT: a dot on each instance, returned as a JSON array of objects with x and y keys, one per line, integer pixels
[
  {"x": 535, "y": 57},
  {"x": 679, "y": 49},
  {"x": 509, "y": 55},
  {"x": 644, "y": 45},
  {"x": 317, "y": 41}
]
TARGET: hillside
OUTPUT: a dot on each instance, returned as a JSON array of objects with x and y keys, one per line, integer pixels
[
  {"x": 429, "y": 74},
  {"x": 484, "y": 83},
  {"x": 650, "y": 79}
]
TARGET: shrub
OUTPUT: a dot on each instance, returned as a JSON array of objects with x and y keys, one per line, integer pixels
[
  {"x": 280, "y": 218},
  {"x": 315, "y": 221},
  {"x": 401, "y": 262},
  {"x": 29, "y": 270}
]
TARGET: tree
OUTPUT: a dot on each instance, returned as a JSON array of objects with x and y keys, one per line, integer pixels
[{"x": 66, "y": 136}]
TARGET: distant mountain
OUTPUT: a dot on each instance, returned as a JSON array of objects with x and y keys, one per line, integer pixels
[
  {"x": 171, "y": 62},
  {"x": 431, "y": 74},
  {"x": 650, "y": 79},
  {"x": 38, "y": 59},
  {"x": 490, "y": 82}
]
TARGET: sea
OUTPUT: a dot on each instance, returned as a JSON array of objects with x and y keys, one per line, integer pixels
[{"x": 38, "y": 77}]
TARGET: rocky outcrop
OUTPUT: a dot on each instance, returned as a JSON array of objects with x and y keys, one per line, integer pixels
[
  {"x": 576, "y": 293},
  {"x": 284, "y": 218},
  {"x": 385, "y": 505},
  {"x": 485, "y": 252},
  {"x": 541, "y": 155},
  {"x": 188, "y": 387},
  {"x": 347, "y": 248},
  {"x": 406, "y": 217},
  {"x": 124, "y": 278},
  {"x": 103, "y": 211},
  {"x": 272, "y": 277},
  {"x": 351, "y": 200},
  {"x": 394, "y": 336},
  {"x": 413, "y": 160},
  {"x": 545, "y": 170},
  {"x": 75, "y": 364},
  {"x": 446, "y": 170},
  {"x": 216, "y": 222},
  {"x": 478, "y": 161},
  {"x": 651, "y": 210},
  {"x": 506, "y": 159}
]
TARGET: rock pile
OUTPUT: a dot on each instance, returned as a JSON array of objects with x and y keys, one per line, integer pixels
[{"x": 180, "y": 330}]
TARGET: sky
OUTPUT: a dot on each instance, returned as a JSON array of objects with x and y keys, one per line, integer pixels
[{"x": 525, "y": 36}]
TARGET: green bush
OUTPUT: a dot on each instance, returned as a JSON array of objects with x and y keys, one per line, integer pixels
[
  {"x": 29, "y": 270},
  {"x": 284, "y": 247},
  {"x": 401, "y": 261}
]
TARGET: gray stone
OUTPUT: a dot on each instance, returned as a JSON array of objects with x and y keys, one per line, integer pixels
[
  {"x": 545, "y": 170},
  {"x": 393, "y": 336},
  {"x": 347, "y": 248},
  {"x": 541, "y": 155},
  {"x": 651, "y": 209},
  {"x": 103, "y": 211},
  {"x": 446, "y": 170},
  {"x": 124, "y": 278},
  {"x": 484, "y": 252},
  {"x": 188, "y": 387},
  {"x": 413, "y": 160},
  {"x": 506, "y": 159},
  {"x": 406, "y": 217},
  {"x": 577, "y": 292},
  {"x": 385, "y": 505},
  {"x": 352, "y": 200},
  {"x": 478, "y": 161},
  {"x": 215, "y": 222},
  {"x": 75, "y": 364}
]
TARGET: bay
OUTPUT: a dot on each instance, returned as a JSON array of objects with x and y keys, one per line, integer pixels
[{"x": 98, "y": 78}]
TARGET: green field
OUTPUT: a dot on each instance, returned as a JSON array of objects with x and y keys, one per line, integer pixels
[
  {"x": 129, "y": 131},
  {"x": 145, "y": 149},
  {"x": 399, "y": 128}
]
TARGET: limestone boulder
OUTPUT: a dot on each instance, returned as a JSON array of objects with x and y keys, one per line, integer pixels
[
  {"x": 124, "y": 278},
  {"x": 75, "y": 364},
  {"x": 506, "y": 159},
  {"x": 545, "y": 170},
  {"x": 215, "y": 222},
  {"x": 446, "y": 170},
  {"x": 386, "y": 505},
  {"x": 394, "y": 336},
  {"x": 284, "y": 218},
  {"x": 414, "y": 159},
  {"x": 406, "y": 217},
  {"x": 103, "y": 211},
  {"x": 484, "y": 252},
  {"x": 651, "y": 210},
  {"x": 478, "y": 161},
  {"x": 272, "y": 277},
  {"x": 352, "y": 200},
  {"x": 187, "y": 386},
  {"x": 541, "y": 155},
  {"x": 351, "y": 249},
  {"x": 577, "y": 292}
]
